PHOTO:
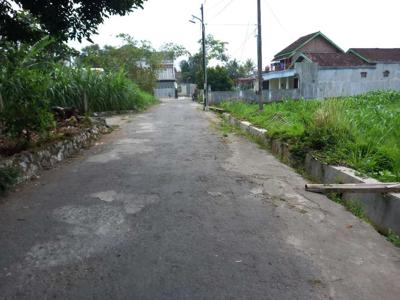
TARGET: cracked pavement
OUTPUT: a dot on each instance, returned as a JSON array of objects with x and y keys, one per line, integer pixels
[{"x": 169, "y": 208}]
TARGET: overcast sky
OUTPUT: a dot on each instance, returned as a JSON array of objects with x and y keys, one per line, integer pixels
[{"x": 349, "y": 23}]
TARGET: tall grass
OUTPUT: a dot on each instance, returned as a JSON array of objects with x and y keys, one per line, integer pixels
[
  {"x": 29, "y": 93},
  {"x": 362, "y": 132},
  {"x": 32, "y": 80},
  {"x": 103, "y": 91}
]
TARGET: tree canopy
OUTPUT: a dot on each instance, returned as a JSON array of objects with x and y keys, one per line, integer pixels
[
  {"x": 173, "y": 51},
  {"x": 221, "y": 77},
  {"x": 138, "y": 59},
  {"x": 62, "y": 19},
  {"x": 218, "y": 79}
]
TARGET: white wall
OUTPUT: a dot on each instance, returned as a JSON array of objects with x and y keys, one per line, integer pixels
[
  {"x": 348, "y": 82},
  {"x": 166, "y": 73},
  {"x": 316, "y": 82}
]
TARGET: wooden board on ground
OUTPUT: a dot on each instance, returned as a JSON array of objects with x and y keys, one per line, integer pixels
[{"x": 354, "y": 188}]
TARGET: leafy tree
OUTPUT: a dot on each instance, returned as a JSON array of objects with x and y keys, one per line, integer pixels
[
  {"x": 248, "y": 67},
  {"x": 218, "y": 79},
  {"x": 192, "y": 68},
  {"x": 215, "y": 49},
  {"x": 233, "y": 68},
  {"x": 237, "y": 69},
  {"x": 221, "y": 77},
  {"x": 138, "y": 58},
  {"x": 63, "y": 19},
  {"x": 173, "y": 51},
  {"x": 18, "y": 26}
]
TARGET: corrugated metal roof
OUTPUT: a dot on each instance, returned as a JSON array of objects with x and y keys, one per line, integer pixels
[{"x": 279, "y": 74}]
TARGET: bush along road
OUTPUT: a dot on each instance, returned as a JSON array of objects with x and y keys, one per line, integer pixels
[{"x": 170, "y": 207}]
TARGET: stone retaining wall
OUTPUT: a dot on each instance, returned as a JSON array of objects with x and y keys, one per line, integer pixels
[
  {"x": 383, "y": 210},
  {"x": 31, "y": 162}
]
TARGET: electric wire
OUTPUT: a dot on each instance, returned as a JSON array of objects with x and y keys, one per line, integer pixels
[
  {"x": 276, "y": 17},
  {"x": 223, "y": 9}
]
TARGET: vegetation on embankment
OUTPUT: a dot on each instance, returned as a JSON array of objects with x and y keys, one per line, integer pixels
[
  {"x": 361, "y": 132},
  {"x": 32, "y": 82}
]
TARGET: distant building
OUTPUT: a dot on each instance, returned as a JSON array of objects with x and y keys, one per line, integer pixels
[
  {"x": 167, "y": 86},
  {"x": 315, "y": 67}
]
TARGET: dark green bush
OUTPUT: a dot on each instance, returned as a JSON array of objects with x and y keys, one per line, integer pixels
[
  {"x": 8, "y": 178},
  {"x": 26, "y": 106}
]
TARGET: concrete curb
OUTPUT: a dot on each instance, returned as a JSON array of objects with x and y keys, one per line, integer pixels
[
  {"x": 383, "y": 210},
  {"x": 30, "y": 163}
]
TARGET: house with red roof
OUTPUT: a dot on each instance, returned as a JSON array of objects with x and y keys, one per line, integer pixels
[{"x": 313, "y": 66}]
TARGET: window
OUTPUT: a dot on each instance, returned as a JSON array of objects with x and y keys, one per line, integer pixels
[
  {"x": 296, "y": 83},
  {"x": 386, "y": 73},
  {"x": 363, "y": 74}
]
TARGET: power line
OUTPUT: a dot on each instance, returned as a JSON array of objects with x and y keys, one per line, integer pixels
[
  {"x": 216, "y": 5},
  {"x": 276, "y": 17},
  {"x": 223, "y": 9},
  {"x": 247, "y": 39},
  {"x": 248, "y": 35},
  {"x": 231, "y": 24}
]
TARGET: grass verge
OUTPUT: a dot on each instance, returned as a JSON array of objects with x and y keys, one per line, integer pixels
[
  {"x": 360, "y": 132},
  {"x": 352, "y": 206}
]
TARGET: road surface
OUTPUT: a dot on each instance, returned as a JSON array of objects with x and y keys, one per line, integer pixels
[{"x": 169, "y": 208}]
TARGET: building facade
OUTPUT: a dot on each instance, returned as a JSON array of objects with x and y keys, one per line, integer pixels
[
  {"x": 314, "y": 67},
  {"x": 167, "y": 86}
]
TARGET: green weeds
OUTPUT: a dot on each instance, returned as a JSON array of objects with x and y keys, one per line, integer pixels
[
  {"x": 31, "y": 82},
  {"x": 393, "y": 238},
  {"x": 360, "y": 132}
]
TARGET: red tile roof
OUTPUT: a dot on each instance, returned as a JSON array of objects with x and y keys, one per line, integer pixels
[
  {"x": 335, "y": 59},
  {"x": 378, "y": 54},
  {"x": 295, "y": 45}
]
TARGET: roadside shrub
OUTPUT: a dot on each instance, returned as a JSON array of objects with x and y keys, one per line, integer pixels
[
  {"x": 8, "y": 178},
  {"x": 33, "y": 80},
  {"x": 103, "y": 91},
  {"x": 26, "y": 107}
]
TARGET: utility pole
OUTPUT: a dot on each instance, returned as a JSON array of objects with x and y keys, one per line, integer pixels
[
  {"x": 203, "y": 43},
  {"x": 203, "y": 32},
  {"x": 259, "y": 55}
]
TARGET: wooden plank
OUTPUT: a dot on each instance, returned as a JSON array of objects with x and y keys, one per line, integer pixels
[{"x": 355, "y": 188}]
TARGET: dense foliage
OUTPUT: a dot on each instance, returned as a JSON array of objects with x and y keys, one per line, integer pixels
[
  {"x": 138, "y": 59},
  {"x": 62, "y": 19},
  {"x": 224, "y": 75},
  {"x": 8, "y": 178},
  {"x": 31, "y": 82},
  {"x": 361, "y": 132},
  {"x": 219, "y": 80},
  {"x": 108, "y": 91}
]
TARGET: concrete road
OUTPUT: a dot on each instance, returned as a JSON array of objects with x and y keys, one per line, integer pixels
[{"x": 168, "y": 208}]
